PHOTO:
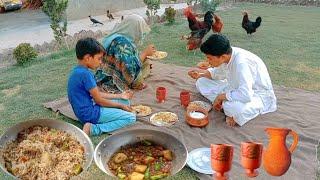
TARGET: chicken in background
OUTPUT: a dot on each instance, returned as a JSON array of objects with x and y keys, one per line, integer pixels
[
  {"x": 218, "y": 24},
  {"x": 198, "y": 28},
  {"x": 195, "y": 39},
  {"x": 194, "y": 24},
  {"x": 248, "y": 25},
  {"x": 109, "y": 15}
]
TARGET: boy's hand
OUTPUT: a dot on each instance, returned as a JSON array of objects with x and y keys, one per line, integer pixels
[
  {"x": 127, "y": 108},
  {"x": 127, "y": 95}
]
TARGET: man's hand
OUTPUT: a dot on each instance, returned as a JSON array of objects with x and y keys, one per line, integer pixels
[
  {"x": 195, "y": 74},
  {"x": 127, "y": 95},
  {"x": 217, "y": 104},
  {"x": 127, "y": 108}
]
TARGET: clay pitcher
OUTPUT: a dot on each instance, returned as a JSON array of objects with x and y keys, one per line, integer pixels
[{"x": 277, "y": 157}]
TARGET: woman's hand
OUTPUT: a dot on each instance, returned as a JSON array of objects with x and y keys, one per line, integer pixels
[
  {"x": 150, "y": 50},
  {"x": 127, "y": 95}
]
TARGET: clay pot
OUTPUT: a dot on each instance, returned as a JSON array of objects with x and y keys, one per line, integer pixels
[
  {"x": 277, "y": 157},
  {"x": 161, "y": 94},
  {"x": 193, "y": 120},
  {"x": 221, "y": 159},
  {"x": 251, "y": 154},
  {"x": 185, "y": 98}
]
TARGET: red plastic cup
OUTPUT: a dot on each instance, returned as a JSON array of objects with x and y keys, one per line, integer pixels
[
  {"x": 185, "y": 98},
  {"x": 161, "y": 94}
]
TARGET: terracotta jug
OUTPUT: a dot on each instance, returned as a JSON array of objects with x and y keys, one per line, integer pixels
[{"x": 277, "y": 157}]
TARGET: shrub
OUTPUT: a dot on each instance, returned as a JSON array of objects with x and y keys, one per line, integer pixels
[
  {"x": 170, "y": 14},
  {"x": 24, "y": 53}
]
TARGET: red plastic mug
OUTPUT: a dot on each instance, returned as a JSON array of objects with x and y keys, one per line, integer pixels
[
  {"x": 185, "y": 98},
  {"x": 161, "y": 94}
]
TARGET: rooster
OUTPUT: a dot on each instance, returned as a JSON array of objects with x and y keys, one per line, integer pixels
[
  {"x": 218, "y": 24},
  {"x": 198, "y": 28},
  {"x": 194, "y": 24},
  {"x": 248, "y": 25}
]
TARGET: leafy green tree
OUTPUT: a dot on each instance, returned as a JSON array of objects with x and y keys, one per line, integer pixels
[
  {"x": 56, "y": 10},
  {"x": 153, "y": 6}
]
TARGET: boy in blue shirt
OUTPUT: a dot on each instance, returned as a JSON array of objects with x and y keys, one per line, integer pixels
[{"x": 99, "y": 111}]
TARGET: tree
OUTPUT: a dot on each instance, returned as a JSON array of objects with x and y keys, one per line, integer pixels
[
  {"x": 56, "y": 10},
  {"x": 153, "y": 6}
]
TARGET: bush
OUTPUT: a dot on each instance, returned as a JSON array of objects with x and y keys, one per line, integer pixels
[
  {"x": 24, "y": 53},
  {"x": 170, "y": 14}
]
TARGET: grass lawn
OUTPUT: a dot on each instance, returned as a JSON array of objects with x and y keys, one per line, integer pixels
[{"x": 287, "y": 42}]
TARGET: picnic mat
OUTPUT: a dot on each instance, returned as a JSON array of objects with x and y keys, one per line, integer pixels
[{"x": 297, "y": 110}]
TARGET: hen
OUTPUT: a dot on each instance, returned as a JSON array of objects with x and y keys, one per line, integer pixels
[
  {"x": 198, "y": 28},
  {"x": 248, "y": 25},
  {"x": 195, "y": 39},
  {"x": 218, "y": 24}
]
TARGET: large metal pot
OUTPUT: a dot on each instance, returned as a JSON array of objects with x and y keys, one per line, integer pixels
[
  {"x": 107, "y": 147},
  {"x": 11, "y": 134}
]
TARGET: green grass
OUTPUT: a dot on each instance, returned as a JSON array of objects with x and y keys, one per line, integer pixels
[
  {"x": 289, "y": 45},
  {"x": 286, "y": 42}
]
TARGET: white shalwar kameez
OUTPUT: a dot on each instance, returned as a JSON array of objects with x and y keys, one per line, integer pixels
[{"x": 247, "y": 84}]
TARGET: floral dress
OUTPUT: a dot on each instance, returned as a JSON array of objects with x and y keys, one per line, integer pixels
[{"x": 120, "y": 72}]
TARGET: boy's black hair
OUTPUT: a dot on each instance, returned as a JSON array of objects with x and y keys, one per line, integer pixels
[
  {"x": 88, "y": 46},
  {"x": 216, "y": 45}
]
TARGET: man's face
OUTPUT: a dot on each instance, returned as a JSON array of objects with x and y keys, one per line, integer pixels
[
  {"x": 95, "y": 61},
  {"x": 215, "y": 61}
]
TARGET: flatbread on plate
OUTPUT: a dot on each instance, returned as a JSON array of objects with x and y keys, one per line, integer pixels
[{"x": 158, "y": 55}]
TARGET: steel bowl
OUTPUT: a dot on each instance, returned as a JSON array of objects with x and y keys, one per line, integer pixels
[
  {"x": 11, "y": 135},
  {"x": 107, "y": 147}
]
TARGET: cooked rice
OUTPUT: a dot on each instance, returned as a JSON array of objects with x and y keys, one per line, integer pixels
[
  {"x": 166, "y": 117},
  {"x": 44, "y": 153}
]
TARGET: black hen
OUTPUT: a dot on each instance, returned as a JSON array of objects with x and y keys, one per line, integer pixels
[
  {"x": 248, "y": 25},
  {"x": 94, "y": 21}
]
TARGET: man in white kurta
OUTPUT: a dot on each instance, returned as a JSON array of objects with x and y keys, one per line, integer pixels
[{"x": 238, "y": 83}]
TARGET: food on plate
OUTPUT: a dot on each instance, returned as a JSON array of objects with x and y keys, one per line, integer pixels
[
  {"x": 142, "y": 110},
  {"x": 202, "y": 104},
  {"x": 158, "y": 55},
  {"x": 203, "y": 65},
  {"x": 164, "y": 118}
]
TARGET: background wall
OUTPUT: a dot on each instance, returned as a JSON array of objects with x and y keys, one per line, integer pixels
[{"x": 78, "y": 9}]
